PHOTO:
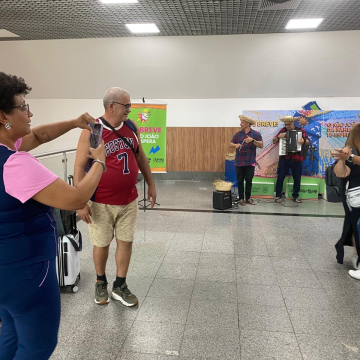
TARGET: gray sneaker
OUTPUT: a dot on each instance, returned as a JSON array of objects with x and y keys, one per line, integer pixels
[
  {"x": 124, "y": 295},
  {"x": 101, "y": 292}
]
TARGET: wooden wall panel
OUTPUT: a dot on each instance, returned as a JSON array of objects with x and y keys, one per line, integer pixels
[{"x": 198, "y": 149}]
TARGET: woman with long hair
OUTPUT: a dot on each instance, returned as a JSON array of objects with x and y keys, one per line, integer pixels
[{"x": 348, "y": 169}]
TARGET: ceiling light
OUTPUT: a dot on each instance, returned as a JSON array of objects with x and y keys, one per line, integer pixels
[
  {"x": 119, "y": 1},
  {"x": 143, "y": 28},
  {"x": 6, "y": 33},
  {"x": 303, "y": 23}
]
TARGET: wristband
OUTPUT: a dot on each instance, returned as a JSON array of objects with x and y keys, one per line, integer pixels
[{"x": 102, "y": 163}]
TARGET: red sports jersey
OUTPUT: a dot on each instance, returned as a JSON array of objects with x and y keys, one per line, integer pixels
[{"x": 117, "y": 184}]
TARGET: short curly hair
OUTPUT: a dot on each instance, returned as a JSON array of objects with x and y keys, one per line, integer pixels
[{"x": 10, "y": 86}]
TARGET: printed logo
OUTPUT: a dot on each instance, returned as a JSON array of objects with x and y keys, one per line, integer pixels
[
  {"x": 154, "y": 150},
  {"x": 143, "y": 116}
]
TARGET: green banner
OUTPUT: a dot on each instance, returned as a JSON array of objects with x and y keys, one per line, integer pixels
[{"x": 151, "y": 120}]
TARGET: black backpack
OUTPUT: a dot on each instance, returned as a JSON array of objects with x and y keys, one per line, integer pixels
[
  {"x": 333, "y": 184},
  {"x": 330, "y": 178}
]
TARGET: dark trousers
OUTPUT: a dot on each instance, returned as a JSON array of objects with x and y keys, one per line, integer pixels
[
  {"x": 29, "y": 311},
  {"x": 283, "y": 170},
  {"x": 247, "y": 173}
]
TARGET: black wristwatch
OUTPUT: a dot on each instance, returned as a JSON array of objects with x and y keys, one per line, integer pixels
[
  {"x": 253, "y": 140},
  {"x": 350, "y": 158}
]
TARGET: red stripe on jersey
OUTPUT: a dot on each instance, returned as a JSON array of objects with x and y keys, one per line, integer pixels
[{"x": 117, "y": 184}]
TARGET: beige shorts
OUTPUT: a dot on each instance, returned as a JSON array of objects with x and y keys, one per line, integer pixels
[{"x": 110, "y": 219}]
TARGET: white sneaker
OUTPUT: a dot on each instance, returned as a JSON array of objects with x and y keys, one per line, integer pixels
[
  {"x": 355, "y": 274},
  {"x": 354, "y": 260}
]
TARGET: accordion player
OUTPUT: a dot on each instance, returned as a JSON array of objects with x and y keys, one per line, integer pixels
[{"x": 290, "y": 143}]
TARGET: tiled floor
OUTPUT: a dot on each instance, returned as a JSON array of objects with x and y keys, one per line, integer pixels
[{"x": 221, "y": 286}]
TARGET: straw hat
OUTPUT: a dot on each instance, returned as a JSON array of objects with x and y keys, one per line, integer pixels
[
  {"x": 248, "y": 119},
  {"x": 287, "y": 119}
]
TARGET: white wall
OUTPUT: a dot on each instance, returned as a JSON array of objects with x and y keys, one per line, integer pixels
[
  {"x": 201, "y": 67},
  {"x": 205, "y": 80}
]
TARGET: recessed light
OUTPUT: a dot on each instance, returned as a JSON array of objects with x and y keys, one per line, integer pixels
[
  {"x": 303, "y": 23},
  {"x": 143, "y": 28},
  {"x": 119, "y": 1},
  {"x": 6, "y": 33}
]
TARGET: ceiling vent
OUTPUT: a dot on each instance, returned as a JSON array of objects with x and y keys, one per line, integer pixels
[{"x": 278, "y": 5}]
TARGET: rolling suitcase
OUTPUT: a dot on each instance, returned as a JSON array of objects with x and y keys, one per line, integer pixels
[{"x": 69, "y": 247}]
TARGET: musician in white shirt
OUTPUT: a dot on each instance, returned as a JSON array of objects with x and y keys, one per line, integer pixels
[{"x": 291, "y": 161}]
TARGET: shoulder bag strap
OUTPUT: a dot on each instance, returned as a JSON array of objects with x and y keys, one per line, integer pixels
[{"x": 120, "y": 136}]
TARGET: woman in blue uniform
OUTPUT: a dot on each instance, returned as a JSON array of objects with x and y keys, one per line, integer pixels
[{"x": 29, "y": 291}]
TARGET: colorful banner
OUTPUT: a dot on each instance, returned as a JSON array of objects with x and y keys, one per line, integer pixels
[
  {"x": 151, "y": 120},
  {"x": 327, "y": 130}
]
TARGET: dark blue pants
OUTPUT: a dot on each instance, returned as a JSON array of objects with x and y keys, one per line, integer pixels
[
  {"x": 29, "y": 311},
  {"x": 247, "y": 173},
  {"x": 283, "y": 170}
]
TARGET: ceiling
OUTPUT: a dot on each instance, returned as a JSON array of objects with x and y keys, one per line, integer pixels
[{"x": 77, "y": 19}]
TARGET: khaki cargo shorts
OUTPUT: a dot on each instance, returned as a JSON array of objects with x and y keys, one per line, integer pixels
[{"x": 110, "y": 219}]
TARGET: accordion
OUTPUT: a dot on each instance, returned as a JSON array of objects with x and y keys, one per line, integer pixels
[{"x": 290, "y": 143}]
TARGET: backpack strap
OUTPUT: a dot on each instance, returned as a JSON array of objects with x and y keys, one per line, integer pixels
[
  {"x": 121, "y": 137},
  {"x": 131, "y": 125}
]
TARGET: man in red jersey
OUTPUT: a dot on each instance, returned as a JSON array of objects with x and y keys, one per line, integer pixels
[{"x": 114, "y": 207}]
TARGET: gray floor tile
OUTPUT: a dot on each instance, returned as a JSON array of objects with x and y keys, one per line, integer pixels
[
  {"x": 139, "y": 285},
  {"x": 212, "y": 313},
  {"x": 255, "y": 270},
  {"x": 170, "y": 288},
  {"x": 138, "y": 356},
  {"x": 326, "y": 347},
  {"x": 177, "y": 271},
  {"x": 154, "y": 338},
  {"x": 319, "y": 322},
  {"x": 210, "y": 342},
  {"x": 260, "y": 295},
  {"x": 268, "y": 345},
  {"x": 157, "y": 237},
  {"x": 298, "y": 278},
  {"x": 290, "y": 263},
  {"x": 285, "y": 251},
  {"x": 215, "y": 291},
  {"x": 217, "y": 259},
  {"x": 267, "y": 318},
  {"x": 187, "y": 242},
  {"x": 172, "y": 244},
  {"x": 249, "y": 246},
  {"x": 143, "y": 269},
  {"x": 305, "y": 298},
  {"x": 351, "y": 317},
  {"x": 284, "y": 247},
  {"x": 164, "y": 310},
  {"x": 218, "y": 245},
  {"x": 182, "y": 257},
  {"x": 215, "y": 273},
  {"x": 107, "y": 341},
  {"x": 337, "y": 279}
]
